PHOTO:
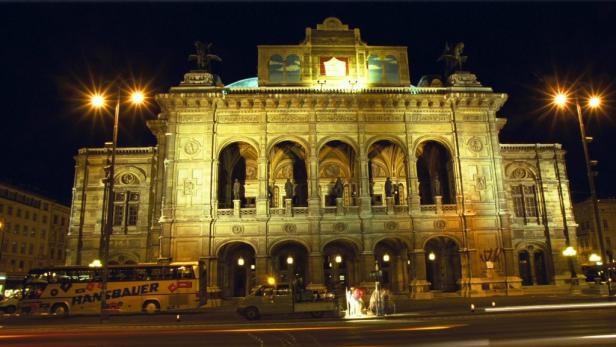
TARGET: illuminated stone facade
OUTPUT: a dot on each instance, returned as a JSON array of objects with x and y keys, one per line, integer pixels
[{"x": 427, "y": 193}]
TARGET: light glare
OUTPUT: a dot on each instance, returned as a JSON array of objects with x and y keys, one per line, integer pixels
[
  {"x": 97, "y": 101},
  {"x": 594, "y": 101},
  {"x": 137, "y": 97},
  {"x": 560, "y": 99}
]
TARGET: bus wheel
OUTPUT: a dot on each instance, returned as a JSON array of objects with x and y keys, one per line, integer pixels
[
  {"x": 151, "y": 307},
  {"x": 59, "y": 310},
  {"x": 251, "y": 313},
  {"x": 317, "y": 314}
]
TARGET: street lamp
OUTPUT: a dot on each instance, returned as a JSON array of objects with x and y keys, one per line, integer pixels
[
  {"x": 98, "y": 101},
  {"x": 561, "y": 100}
]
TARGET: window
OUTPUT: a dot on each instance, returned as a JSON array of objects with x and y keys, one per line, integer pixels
[
  {"x": 31, "y": 249},
  {"x": 284, "y": 70},
  {"x": 17, "y": 228},
  {"x": 21, "y": 264},
  {"x": 44, "y": 219},
  {"x": 34, "y": 216},
  {"x": 118, "y": 215},
  {"x": 33, "y": 232},
  {"x": 126, "y": 209},
  {"x": 24, "y": 231},
  {"x": 18, "y": 214},
  {"x": 14, "y": 247},
  {"x": 22, "y": 249},
  {"x": 525, "y": 202},
  {"x": 9, "y": 210},
  {"x": 43, "y": 233},
  {"x": 27, "y": 214},
  {"x": 383, "y": 69},
  {"x": 55, "y": 219}
]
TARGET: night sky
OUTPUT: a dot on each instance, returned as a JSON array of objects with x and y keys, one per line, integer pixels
[{"x": 50, "y": 53}]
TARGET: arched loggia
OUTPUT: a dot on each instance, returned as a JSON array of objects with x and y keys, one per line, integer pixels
[
  {"x": 288, "y": 163},
  {"x": 435, "y": 173},
  {"x": 338, "y": 161},
  {"x": 237, "y": 161},
  {"x": 387, "y": 161}
]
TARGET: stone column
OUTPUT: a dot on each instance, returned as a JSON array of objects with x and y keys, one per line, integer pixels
[
  {"x": 367, "y": 266},
  {"x": 420, "y": 287},
  {"x": 262, "y": 270},
  {"x": 236, "y": 208},
  {"x": 389, "y": 202},
  {"x": 213, "y": 285},
  {"x": 214, "y": 189},
  {"x": 288, "y": 207},
  {"x": 413, "y": 185},
  {"x": 339, "y": 207},
  {"x": 262, "y": 199},
  {"x": 438, "y": 201},
  {"x": 315, "y": 270},
  {"x": 314, "y": 201}
]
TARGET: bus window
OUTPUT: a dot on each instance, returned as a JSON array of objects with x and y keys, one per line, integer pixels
[
  {"x": 185, "y": 273},
  {"x": 154, "y": 274}
]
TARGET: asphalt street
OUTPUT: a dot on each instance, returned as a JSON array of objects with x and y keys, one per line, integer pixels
[{"x": 588, "y": 327}]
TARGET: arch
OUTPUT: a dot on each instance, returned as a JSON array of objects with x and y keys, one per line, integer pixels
[
  {"x": 356, "y": 244},
  {"x": 236, "y": 268},
  {"x": 435, "y": 173},
  {"x": 529, "y": 170},
  {"x": 389, "y": 253},
  {"x": 452, "y": 237},
  {"x": 402, "y": 241},
  {"x": 287, "y": 170},
  {"x": 443, "y": 263},
  {"x": 435, "y": 138},
  {"x": 390, "y": 159},
  {"x": 136, "y": 171},
  {"x": 375, "y": 69},
  {"x": 291, "y": 138},
  {"x": 393, "y": 139},
  {"x": 290, "y": 261},
  {"x": 237, "y": 139},
  {"x": 237, "y": 174},
  {"x": 342, "y": 138},
  {"x": 220, "y": 246},
  {"x": 340, "y": 264},
  {"x": 284, "y": 240}
]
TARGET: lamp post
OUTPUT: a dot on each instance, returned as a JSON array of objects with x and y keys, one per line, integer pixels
[
  {"x": 98, "y": 101},
  {"x": 561, "y": 99}
]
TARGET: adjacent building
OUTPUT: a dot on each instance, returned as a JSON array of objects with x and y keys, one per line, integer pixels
[
  {"x": 587, "y": 235},
  {"x": 332, "y": 170},
  {"x": 33, "y": 232}
]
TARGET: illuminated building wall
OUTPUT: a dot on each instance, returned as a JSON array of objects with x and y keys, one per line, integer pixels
[{"x": 426, "y": 192}]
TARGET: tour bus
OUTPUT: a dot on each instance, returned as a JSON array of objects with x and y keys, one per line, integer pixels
[{"x": 146, "y": 288}]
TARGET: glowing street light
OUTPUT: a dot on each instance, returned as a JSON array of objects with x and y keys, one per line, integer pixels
[
  {"x": 95, "y": 263},
  {"x": 271, "y": 281},
  {"x": 98, "y": 101},
  {"x": 386, "y": 257},
  {"x": 240, "y": 261},
  {"x": 594, "y": 258},
  {"x": 431, "y": 256},
  {"x": 290, "y": 260},
  {"x": 569, "y": 252},
  {"x": 560, "y": 99},
  {"x": 338, "y": 259}
]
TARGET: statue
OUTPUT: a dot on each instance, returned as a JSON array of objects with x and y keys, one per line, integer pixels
[
  {"x": 389, "y": 188},
  {"x": 237, "y": 187},
  {"x": 288, "y": 189},
  {"x": 203, "y": 57},
  {"x": 338, "y": 188},
  {"x": 436, "y": 185},
  {"x": 453, "y": 58}
]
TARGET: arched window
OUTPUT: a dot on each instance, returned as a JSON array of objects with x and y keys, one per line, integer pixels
[
  {"x": 435, "y": 173},
  {"x": 276, "y": 68},
  {"x": 390, "y": 63},
  {"x": 292, "y": 69},
  {"x": 524, "y": 195},
  {"x": 375, "y": 69},
  {"x": 284, "y": 70},
  {"x": 383, "y": 70}
]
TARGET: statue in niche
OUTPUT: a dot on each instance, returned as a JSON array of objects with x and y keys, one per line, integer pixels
[
  {"x": 237, "y": 188},
  {"x": 453, "y": 58},
  {"x": 389, "y": 188},
  {"x": 203, "y": 57},
  {"x": 288, "y": 189},
  {"x": 436, "y": 186},
  {"x": 338, "y": 188}
]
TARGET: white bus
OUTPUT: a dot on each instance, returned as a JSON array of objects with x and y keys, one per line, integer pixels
[{"x": 146, "y": 288}]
